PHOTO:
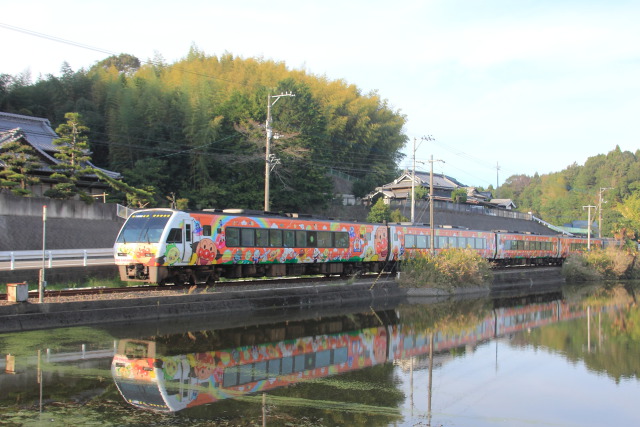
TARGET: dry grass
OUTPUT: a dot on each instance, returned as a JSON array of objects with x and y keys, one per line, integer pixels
[
  {"x": 450, "y": 268},
  {"x": 608, "y": 264}
]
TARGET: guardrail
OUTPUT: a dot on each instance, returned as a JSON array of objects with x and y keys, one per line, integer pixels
[{"x": 54, "y": 254}]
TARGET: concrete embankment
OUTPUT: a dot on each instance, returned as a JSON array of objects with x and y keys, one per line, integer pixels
[
  {"x": 252, "y": 301},
  {"x": 30, "y": 315}
]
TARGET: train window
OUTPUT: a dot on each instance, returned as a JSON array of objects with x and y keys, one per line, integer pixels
[
  {"x": 232, "y": 237},
  {"x": 230, "y": 378},
  {"x": 206, "y": 230},
  {"x": 301, "y": 239},
  {"x": 368, "y": 236},
  {"x": 421, "y": 242},
  {"x": 273, "y": 368},
  {"x": 247, "y": 237},
  {"x": 260, "y": 371},
  {"x": 245, "y": 374},
  {"x": 324, "y": 239},
  {"x": 298, "y": 363},
  {"x": 175, "y": 235},
  {"x": 187, "y": 228},
  {"x": 275, "y": 238},
  {"x": 323, "y": 358},
  {"x": 341, "y": 239},
  {"x": 481, "y": 243},
  {"x": 289, "y": 238},
  {"x": 262, "y": 238},
  {"x": 287, "y": 365},
  {"x": 461, "y": 242},
  {"x": 312, "y": 239},
  {"x": 442, "y": 242},
  {"x": 340, "y": 355},
  {"x": 409, "y": 241}
]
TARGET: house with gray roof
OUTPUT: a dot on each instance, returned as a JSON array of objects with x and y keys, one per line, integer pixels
[
  {"x": 38, "y": 133},
  {"x": 400, "y": 188},
  {"x": 443, "y": 186}
]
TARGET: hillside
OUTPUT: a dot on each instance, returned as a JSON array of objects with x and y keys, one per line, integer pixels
[{"x": 610, "y": 183}]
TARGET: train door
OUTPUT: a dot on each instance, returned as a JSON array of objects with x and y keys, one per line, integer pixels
[
  {"x": 187, "y": 250},
  {"x": 181, "y": 237}
]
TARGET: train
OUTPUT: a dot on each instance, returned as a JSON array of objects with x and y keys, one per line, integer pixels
[{"x": 194, "y": 247}]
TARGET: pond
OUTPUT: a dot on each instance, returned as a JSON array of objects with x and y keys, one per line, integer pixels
[{"x": 565, "y": 357}]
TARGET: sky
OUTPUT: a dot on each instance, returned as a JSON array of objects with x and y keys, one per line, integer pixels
[{"x": 489, "y": 88}]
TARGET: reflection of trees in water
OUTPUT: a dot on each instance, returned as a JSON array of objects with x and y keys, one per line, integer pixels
[
  {"x": 448, "y": 317},
  {"x": 614, "y": 328}
]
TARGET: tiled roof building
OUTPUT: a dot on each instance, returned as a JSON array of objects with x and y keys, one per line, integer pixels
[{"x": 38, "y": 133}]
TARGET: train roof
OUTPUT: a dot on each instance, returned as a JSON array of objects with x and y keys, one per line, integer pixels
[{"x": 258, "y": 213}]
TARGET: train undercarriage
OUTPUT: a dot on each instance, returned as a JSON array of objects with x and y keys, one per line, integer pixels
[{"x": 210, "y": 274}]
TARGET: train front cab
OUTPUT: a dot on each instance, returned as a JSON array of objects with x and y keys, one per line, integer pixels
[{"x": 150, "y": 241}]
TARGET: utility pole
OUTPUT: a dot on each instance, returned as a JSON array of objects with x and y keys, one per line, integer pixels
[
  {"x": 413, "y": 185},
  {"x": 588, "y": 226},
  {"x": 42, "y": 282},
  {"x": 269, "y": 159},
  {"x": 413, "y": 177},
  {"x": 600, "y": 202},
  {"x": 431, "y": 225},
  {"x": 497, "y": 178}
]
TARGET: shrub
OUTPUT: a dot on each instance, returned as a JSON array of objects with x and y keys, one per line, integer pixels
[
  {"x": 608, "y": 264},
  {"x": 450, "y": 268}
]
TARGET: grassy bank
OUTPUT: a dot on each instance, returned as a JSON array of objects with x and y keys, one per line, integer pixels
[
  {"x": 608, "y": 264},
  {"x": 451, "y": 268}
]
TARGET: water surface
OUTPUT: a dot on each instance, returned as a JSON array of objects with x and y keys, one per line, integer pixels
[{"x": 568, "y": 358}]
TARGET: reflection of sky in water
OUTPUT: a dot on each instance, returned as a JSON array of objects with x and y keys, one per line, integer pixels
[{"x": 521, "y": 386}]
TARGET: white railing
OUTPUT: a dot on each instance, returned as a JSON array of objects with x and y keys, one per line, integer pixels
[{"x": 55, "y": 254}]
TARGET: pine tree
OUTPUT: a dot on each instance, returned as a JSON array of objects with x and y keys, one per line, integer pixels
[
  {"x": 19, "y": 162},
  {"x": 74, "y": 155}
]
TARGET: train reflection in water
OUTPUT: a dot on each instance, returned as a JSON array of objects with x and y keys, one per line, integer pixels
[{"x": 176, "y": 372}]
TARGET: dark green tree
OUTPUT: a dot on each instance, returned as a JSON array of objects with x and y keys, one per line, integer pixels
[
  {"x": 74, "y": 156},
  {"x": 19, "y": 161},
  {"x": 380, "y": 212},
  {"x": 459, "y": 195}
]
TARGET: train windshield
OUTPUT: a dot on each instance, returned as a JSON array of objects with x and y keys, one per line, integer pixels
[
  {"x": 144, "y": 227},
  {"x": 143, "y": 395}
]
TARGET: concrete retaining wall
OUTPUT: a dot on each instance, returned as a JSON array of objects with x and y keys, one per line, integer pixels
[
  {"x": 70, "y": 224},
  {"x": 31, "y": 316}
]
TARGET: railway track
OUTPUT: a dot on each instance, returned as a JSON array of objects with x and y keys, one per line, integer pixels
[{"x": 149, "y": 289}]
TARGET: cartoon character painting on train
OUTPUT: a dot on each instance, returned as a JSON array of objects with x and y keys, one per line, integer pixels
[
  {"x": 171, "y": 255},
  {"x": 380, "y": 242},
  {"x": 144, "y": 254}
]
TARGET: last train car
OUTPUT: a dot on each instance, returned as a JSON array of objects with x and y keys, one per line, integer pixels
[{"x": 173, "y": 246}]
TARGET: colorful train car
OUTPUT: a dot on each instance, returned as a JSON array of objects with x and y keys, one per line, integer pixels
[
  {"x": 162, "y": 245},
  {"x": 411, "y": 241}
]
